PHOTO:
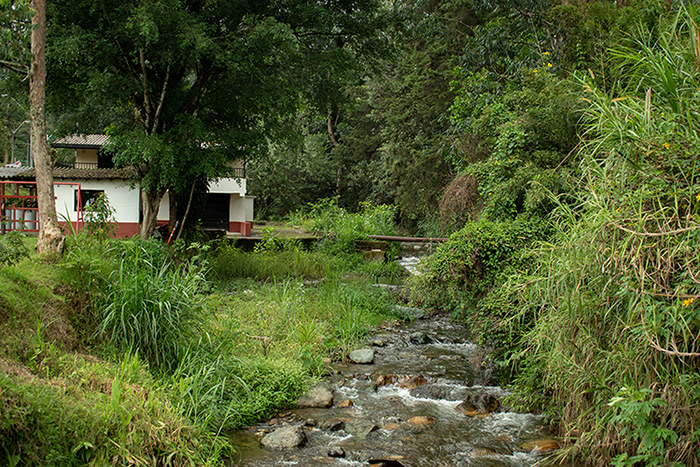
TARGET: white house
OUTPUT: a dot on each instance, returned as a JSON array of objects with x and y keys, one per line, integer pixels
[{"x": 92, "y": 173}]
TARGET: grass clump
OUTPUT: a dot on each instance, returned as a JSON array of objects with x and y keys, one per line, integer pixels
[
  {"x": 220, "y": 391},
  {"x": 152, "y": 307},
  {"x": 94, "y": 413},
  {"x": 341, "y": 228}
]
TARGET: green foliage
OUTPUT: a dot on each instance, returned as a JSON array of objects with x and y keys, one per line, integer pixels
[
  {"x": 465, "y": 272},
  {"x": 99, "y": 219},
  {"x": 594, "y": 27},
  {"x": 152, "y": 308},
  {"x": 274, "y": 243},
  {"x": 15, "y": 29},
  {"x": 12, "y": 248},
  {"x": 221, "y": 392},
  {"x": 341, "y": 228},
  {"x": 292, "y": 178},
  {"x": 636, "y": 412},
  {"x": 530, "y": 131}
]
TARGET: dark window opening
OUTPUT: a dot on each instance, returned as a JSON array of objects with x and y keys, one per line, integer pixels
[
  {"x": 87, "y": 197},
  {"x": 104, "y": 161}
]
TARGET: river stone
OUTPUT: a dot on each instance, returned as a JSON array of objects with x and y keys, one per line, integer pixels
[
  {"x": 419, "y": 338},
  {"x": 413, "y": 382},
  {"x": 482, "y": 452},
  {"x": 479, "y": 405},
  {"x": 333, "y": 425},
  {"x": 392, "y": 461},
  {"x": 542, "y": 445},
  {"x": 288, "y": 437},
  {"x": 317, "y": 397},
  {"x": 383, "y": 380},
  {"x": 345, "y": 404},
  {"x": 336, "y": 451},
  {"x": 378, "y": 342},
  {"x": 422, "y": 420},
  {"x": 362, "y": 356},
  {"x": 362, "y": 429}
]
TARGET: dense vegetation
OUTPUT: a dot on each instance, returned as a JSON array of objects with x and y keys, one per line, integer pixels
[
  {"x": 555, "y": 142},
  {"x": 579, "y": 264},
  {"x": 127, "y": 351}
]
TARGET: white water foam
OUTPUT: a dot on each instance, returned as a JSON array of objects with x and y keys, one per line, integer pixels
[{"x": 411, "y": 264}]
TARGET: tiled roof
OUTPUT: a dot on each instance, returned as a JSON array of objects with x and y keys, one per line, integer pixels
[
  {"x": 61, "y": 173},
  {"x": 18, "y": 172},
  {"x": 81, "y": 141},
  {"x": 93, "y": 174}
]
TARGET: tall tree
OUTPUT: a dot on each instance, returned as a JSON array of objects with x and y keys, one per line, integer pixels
[
  {"x": 204, "y": 82},
  {"x": 50, "y": 235}
]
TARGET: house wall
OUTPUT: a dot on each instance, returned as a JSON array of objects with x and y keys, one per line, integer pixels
[
  {"x": 164, "y": 209},
  {"x": 88, "y": 156},
  {"x": 229, "y": 185},
  {"x": 240, "y": 210},
  {"x": 123, "y": 199}
]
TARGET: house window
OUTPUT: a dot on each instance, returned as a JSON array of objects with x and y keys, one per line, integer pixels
[{"x": 87, "y": 197}]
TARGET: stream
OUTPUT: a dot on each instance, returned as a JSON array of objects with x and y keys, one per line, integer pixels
[{"x": 403, "y": 409}]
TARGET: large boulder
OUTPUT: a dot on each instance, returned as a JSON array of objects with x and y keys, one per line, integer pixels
[
  {"x": 288, "y": 437},
  {"x": 318, "y": 397},
  {"x": 362, "y": 356}
]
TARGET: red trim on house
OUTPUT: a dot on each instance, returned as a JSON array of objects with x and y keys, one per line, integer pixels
[
  {"x": 124, "y": 229},
  {"x": 244, "y": 228}
]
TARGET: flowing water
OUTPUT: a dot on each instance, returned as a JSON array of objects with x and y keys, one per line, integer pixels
[{"x": 409, "y": 427}]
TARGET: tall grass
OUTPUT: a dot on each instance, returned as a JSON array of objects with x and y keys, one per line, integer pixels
[
  {"x": 615, "y": 296},
  {"x": 340, "y": 228},
  {"x": 230, "y": 263},
  {"x": 92, "y": 412},
  {"x": 156, "y": 311}
]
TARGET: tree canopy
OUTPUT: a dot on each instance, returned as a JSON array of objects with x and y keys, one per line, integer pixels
[{"x": 186, "y": 86}]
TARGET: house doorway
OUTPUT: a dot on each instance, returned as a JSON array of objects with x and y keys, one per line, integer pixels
[{"x": 216, "y": 213}]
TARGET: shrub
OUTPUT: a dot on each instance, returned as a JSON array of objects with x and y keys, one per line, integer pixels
[
  {"x": 12, "y": 248},
  {"x": 470, "y": 265},
  {"x": 341, "y": 228}
]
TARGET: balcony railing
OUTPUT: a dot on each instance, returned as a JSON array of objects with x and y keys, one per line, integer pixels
[
  {"x": 85, "y": 165},
  {"x": 75, "y": 165},
  {"x": 239, "y": 172}
]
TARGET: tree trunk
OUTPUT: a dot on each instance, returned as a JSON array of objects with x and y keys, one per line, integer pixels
[
  {"x": 50, "y": 235},
  {"x": 334, "y": 141},
  {"x": 172, "y": 205},
  {"x": 187, "y": 211},
  {"x": 150, "y": 204},
  {"x": 8, "y": 132}
]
